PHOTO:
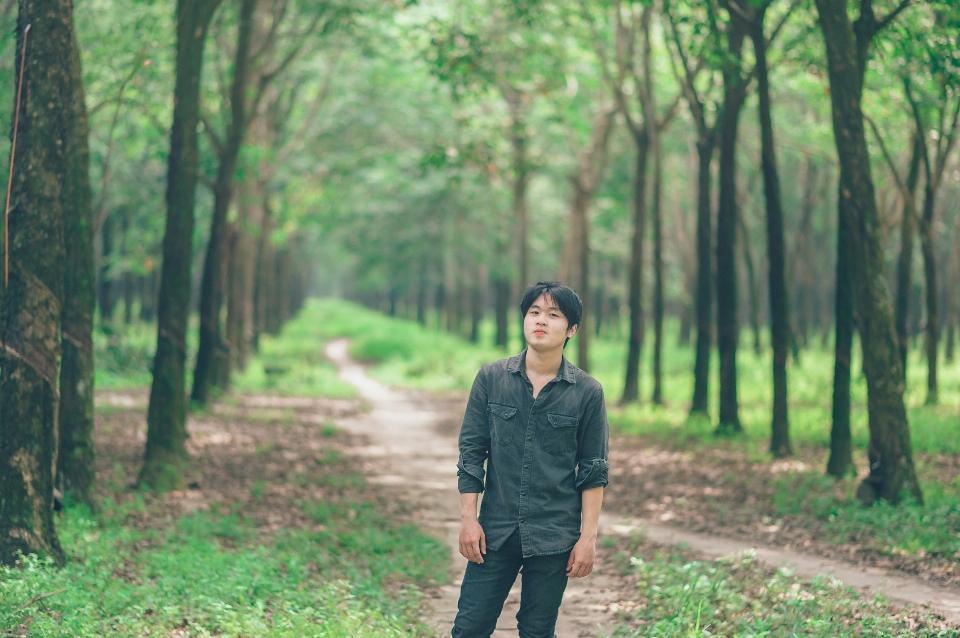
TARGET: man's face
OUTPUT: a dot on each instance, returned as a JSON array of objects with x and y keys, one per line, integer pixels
[{"x": 544, "y": 326}]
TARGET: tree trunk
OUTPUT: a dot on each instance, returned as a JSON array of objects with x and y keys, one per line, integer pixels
[
  {"x": 631, "y": 387},
  {"x": 580, "y": 227},
  {"x": 905, "y": 259},
  {"x": 753, "y": 295},
  {"x": 891, "y": 460},
  {"x": 47, "y": 156},
  {"x": 840, "y": 462},
  {"x": 734, "y": 94},
  {"x": 148, "y": 303},
  {"x": 657, "y": 397},
  {"x": 501, "y": 290},
  {"x": 932, "y": 327},
  {"x": 76, "y": 472},
  {"x": 106, "y": 292},
  {"x": 211, "y": 288},
  {"x": 422, "y": 284},
  {"x": 779, "y": 313},
  {"x": 166, "y": 453},
  {"x": 704, "y": 298},
  {"x": 518, "y": 136}
]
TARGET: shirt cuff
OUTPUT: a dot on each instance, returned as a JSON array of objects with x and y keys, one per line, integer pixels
[
  {"x": 591, "y": 473},
  {"x": 469, "y": 477}
]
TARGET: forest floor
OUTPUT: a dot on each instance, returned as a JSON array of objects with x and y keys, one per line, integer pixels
[
  {"x": 258, "y": 456},
  {"x": 656, "y": 498}
]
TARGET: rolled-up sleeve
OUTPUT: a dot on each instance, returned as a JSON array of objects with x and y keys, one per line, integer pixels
[
  {"x": 593, "y": 449},
  {"x": 474, "y": 438}
]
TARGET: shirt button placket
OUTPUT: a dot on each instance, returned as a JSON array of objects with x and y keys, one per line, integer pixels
[{"x": 525, "y": 471}]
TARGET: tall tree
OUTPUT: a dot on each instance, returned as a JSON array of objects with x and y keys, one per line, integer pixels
[
  {"x": 634, "y": 75},
  {"x": 908, "y": 227},
  {"x": 946, "y": 113},
  {"x": 707, "y": 134},
  {"x": 735, "y": 82},
  {"x": 166, "y": 454},
  {"x": 76, "y": 472},
  {"x": 847, "y": 46},
  {"x": 211, "y": 287},
  {"x": 776, "y": 262},
  {"x": 32, "y": 300}
]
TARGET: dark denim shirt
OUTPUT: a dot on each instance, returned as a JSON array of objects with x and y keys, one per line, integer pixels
[{"x": 540, "y": 453}]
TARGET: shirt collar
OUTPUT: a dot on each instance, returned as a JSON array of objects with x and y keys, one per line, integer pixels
[{"x": 567, "y": 372}]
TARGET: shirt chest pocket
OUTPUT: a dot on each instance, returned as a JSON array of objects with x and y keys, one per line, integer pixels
[
  {"x": 560, "y": 435},
  {"x": 503, "y": 421}
]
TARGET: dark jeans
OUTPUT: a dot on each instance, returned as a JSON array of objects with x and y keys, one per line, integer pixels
[{"x": 485, "y": 588}]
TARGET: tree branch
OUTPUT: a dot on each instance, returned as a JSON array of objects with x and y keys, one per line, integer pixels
[
  {"x": 882, "y": 23},
  {"x": 904, "y": 191}
]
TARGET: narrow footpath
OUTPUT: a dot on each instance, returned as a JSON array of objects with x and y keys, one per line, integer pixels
[{"x": 411, "y": 452}]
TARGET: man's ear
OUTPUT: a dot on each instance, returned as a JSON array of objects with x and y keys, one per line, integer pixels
[{"x": 572, "y": 330}]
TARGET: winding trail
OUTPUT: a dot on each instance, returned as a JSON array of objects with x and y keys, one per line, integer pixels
[{"x": 410, "y": 451}]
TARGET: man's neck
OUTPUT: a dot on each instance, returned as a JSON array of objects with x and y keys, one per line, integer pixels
[{"x": 543, "y": 364}]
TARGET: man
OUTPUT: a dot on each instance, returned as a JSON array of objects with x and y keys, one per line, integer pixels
[{"x": 541, "y": 426}]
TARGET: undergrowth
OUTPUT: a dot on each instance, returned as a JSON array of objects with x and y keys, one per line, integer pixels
[
  {"x": 211, "y": 574},
  {"x": 736, "y": 596}
]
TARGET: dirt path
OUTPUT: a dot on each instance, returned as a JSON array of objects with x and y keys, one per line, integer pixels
[{"x": 410, "y": 450}]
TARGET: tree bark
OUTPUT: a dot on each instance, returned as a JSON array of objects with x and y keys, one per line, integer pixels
[
  {"x": 657, "y": 396},
  {"x": 734, "y": 94},
  {"x": 779, "y": 312},
  {"x": 518, "y": 138},
  {"x": 166, "y": 453},
  {"x": 631, "y": 387},
  {"x": 106, "y": 289},
  {"x": 840, "y": 462},
  {"x": 891, "y": 461},
  {"x": 76, "y": 472},
  {"x": 905, "y": 259},
  {"x": 211, "y": 288},
  {"x": 706, "y": 143},
  {"x": 31, "y": 302}
]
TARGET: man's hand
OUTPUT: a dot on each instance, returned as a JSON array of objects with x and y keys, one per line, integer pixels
[
  {"x": 585, "y": 551},
  {"x": 582, "y": 557},
  {"x": 473, "y": 542}
]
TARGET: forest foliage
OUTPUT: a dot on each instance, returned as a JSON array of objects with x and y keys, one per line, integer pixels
[{"x": 729, "y": 186}]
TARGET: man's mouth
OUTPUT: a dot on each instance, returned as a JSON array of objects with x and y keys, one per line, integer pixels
[{"x": 539, "y": 332}]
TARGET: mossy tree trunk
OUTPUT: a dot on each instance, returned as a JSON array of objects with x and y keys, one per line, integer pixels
[
  {"x": 166, "y": 453},
  {"x": 76, "y": 472},
  {"x": 31, "y": 302},
  {"x": 891, "y": 461}
]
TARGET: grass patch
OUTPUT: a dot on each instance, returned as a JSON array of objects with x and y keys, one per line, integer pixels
[
  {"x": 210, "y": 574},
  {"x": 735, "y": 596}
]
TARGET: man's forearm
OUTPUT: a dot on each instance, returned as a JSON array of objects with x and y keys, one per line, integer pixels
[
  {"x": 590, "y": 503},
  {"x": 468, "y": 506}
]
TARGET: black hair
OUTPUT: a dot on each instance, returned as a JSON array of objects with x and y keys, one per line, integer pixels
[{"x": 566, "y": 299}]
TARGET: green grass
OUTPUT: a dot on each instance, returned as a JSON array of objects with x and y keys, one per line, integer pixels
[
  {"x": 737, "y": 597},
  {"x": 210, "y": 574}
]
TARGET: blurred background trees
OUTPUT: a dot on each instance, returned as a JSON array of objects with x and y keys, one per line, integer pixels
[{"x": 674, "y": 160}]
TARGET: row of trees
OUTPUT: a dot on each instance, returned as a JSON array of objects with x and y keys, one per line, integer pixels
[{"x": 443, "y": 157}]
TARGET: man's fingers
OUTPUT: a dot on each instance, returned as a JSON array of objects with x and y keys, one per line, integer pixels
[{"x": 483, "y": 544}]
